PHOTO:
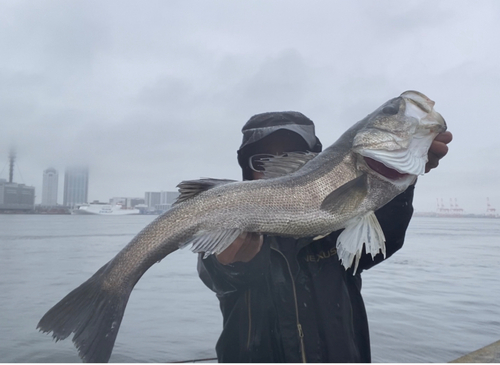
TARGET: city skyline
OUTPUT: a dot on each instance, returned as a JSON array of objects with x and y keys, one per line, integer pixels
[
  {"x": 159, "y": 197},
  {"x": 76, "y": 181}
]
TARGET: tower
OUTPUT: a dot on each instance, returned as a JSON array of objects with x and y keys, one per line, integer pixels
[
  {"x": 76, "y": 186},
  {"x": 12, "y": 160},
  {"x": 490, "y": 211}
]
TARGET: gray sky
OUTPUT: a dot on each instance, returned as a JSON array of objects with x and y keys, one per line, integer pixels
[{"x": 150, "y": 93}]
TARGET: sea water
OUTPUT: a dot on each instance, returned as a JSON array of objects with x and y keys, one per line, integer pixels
[{"x": 436, "y": 299}]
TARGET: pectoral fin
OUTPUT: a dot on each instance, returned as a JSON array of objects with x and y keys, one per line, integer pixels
[
  {"x": 347, "y": 197},
  {"x": 213, "y": 241},
  {"x": 360, "y": 230}
]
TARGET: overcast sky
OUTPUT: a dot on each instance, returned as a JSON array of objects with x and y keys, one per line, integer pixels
[{"x": 149, "y": 93}]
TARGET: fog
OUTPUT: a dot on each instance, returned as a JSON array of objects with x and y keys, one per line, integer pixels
[{"x": 149, "y": 93}]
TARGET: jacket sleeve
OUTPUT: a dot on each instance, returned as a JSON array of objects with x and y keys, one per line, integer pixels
[
  {"x": 225, "y": 279},
  {"x": 394, "y": 218}
]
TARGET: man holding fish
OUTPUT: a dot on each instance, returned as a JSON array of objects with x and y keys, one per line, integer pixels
[
  {"x": 292, "y": 300},
  {"x": 294, "y": 294}
]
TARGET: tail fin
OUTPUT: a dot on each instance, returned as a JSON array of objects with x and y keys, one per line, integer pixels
[{"x": 93, "y": 314}]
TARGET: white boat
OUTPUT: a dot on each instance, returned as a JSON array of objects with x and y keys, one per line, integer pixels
[{"x": 104, "y": 209}]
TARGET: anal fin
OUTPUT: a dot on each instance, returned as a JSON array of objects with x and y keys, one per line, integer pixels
[{"x": 364, "y": 230}]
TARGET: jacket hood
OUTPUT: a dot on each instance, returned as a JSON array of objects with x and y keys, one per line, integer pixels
[{"x": 262, "y": 125}]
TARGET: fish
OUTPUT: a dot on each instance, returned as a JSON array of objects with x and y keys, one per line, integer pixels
[{"x": 302, "y": 195}]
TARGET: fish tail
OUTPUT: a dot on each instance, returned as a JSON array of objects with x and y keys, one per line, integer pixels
[{"x": 92, "y": 313}]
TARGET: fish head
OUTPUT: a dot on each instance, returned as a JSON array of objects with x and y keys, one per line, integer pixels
[{"x": 394, "y": 140}]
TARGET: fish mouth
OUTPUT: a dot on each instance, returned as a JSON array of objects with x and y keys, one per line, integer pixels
[
  {"x": 397, "y": 154},
  {"x": 383, "y": 170},
  {"x": 421, "y": 107}
]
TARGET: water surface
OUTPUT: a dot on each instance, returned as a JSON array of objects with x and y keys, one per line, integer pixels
[{"x": 438, "y": 298}]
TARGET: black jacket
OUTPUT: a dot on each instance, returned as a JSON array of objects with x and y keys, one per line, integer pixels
[{"x": 294, "y": 301}]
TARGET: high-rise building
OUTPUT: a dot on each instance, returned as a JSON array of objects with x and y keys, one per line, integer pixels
[
  {"x": 76, "y": 186},
  {"x": 49, "y": 187}
]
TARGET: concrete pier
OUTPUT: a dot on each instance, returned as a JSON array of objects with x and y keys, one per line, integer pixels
[{"x": 490, "y": 353}]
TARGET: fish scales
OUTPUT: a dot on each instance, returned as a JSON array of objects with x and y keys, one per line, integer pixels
[{"x": 370, "y": 164}]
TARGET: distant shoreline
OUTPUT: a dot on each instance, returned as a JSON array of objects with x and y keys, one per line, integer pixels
[
  {"x": 415, "y": 214},
  {"x": 443, "y": 215}
]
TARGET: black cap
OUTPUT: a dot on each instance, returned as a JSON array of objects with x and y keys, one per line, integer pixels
[{"x": 262, "y": 125}]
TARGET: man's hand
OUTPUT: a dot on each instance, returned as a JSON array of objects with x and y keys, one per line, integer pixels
[
  {"x": 243, "y": 249},
  {"x": 438, "y": 150}
]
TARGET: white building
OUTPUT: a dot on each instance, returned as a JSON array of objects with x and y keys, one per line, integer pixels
[
  {"x": 168, "y": 197},
  {"x": 152, "y": 199},
  {"x": 161, "y": 201},
  {"x": 125, "y": 202},
  {"x": 50, "y": 187}
]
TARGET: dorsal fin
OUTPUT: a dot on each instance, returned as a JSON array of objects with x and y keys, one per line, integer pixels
[
  {"x": 285, "y": 164},
  {"x": 190, "y": 188}
]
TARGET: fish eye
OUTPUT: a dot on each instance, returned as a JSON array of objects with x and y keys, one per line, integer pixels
[
  {"x": 392, "y": 106},
  {"x": 390, "y": 109}
]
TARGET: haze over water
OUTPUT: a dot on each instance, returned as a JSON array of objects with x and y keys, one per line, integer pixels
[{"x": 433, "y": 301}]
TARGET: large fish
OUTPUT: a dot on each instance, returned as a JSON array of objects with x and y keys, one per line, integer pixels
[{"x": 369, "y": 165}]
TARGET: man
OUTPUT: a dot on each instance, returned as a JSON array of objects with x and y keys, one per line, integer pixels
[{"x": 288, "y": 300}]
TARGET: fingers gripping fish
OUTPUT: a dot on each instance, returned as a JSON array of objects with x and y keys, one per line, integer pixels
[{"x": 306, "y": 195}]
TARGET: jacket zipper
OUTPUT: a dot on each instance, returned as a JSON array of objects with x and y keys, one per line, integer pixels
[
  {"x": 299, "y": 326},
  {"x": 248, "y": 297}
]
